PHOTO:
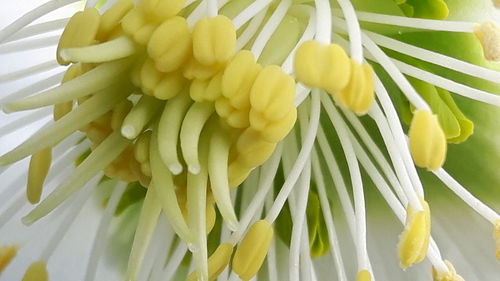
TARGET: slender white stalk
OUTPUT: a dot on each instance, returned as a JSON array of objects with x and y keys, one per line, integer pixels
[
  {"x": 272, "y": 265},
  {"x": 476, "y": 204},
  {"x": 75, "y": 206},
  {"x": 327, "y": 215},
  {"x": 308, "y": 34},
  {"x": 201, "y": 11},
  {"x": 249, "y": 12},
  {"x": 306, "y": 265},
  {"x": 323, "y": 21},
  {"x": 154, "y": 250},
  {"x": 91, "y": 3},
  {"x": 117, "y": 48},
  {"x": 251, "y": 29},
  {"x": 301, "y": 159},
  {"x": 447, "y": 84},
  {"x": 212, "y": 8},
  {"x": 32, "y": 16},
  {"x": 26, "y": 45},
  {"x": 356, "y": 181},
  {"x": 269, "y": 28},
  {"x": 33, "y": 88},
  {"x": 32, "y": 70},
  {"x": 174, "y": 261},
  {"x": 301, "y": 93},
  {"x": 353, "y": 29},
  {"x": 40, "y": 28},
  {"x": 435, "y": 58},
  {"x": 100, "y": 240},
  {"x": 439, "y": 25},
  {"x": 24, "y": 121}
]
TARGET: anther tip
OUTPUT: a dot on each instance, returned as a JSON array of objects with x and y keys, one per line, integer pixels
[
  {"x": 175, "y": 168},
  {"x": 6, "y": 108},
  {"x": 64, "y": 55},
  {"x": 128, "y": 131},
  {"x": 27, "y": 220},
  {"x": 194, "y": 169}
]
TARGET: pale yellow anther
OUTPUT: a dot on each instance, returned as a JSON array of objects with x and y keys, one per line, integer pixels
[
  {"x": 450, "y": 275},
  {"x": 112, "y": 17},
  {"x": 160, "y": 10},
  {"x": 7, "y": 254},
  {"x": 217, "y": 262},
  {"x": 38, "y": 169},
  {"x": 364, "y": 275},
  {"x": 238, "y": 79},
  {"x": 136, "y": 24},
  {"x": 272, "y": 93},
  {"x": 252, "y": 250},
  {"x": 414, "y": 240},
  {"x": 237, "y": 173},
  {"x": 62, "y": 109},
  {"x": 37, "y": 271},
  {"x": 236, "y": 118},
  {"x": 359, "y": 94},
  {"x": 80, "y": 31},
  {"x": 252, "y": 149},
  {"x": 488, "y": 34},
  {"x": 206, "y": 90},
  {"x": 195, "y": 70},
  {"x": 428, "y": 144},
  {"x": 322, "y": 66},
  {"x": 170, "y": 45},
  {"x": 120, "y": 111},
  {"x": 496, "y": 235},
  {"x": 161, "y": 85},
  {"x": 141, "y": 147},
  {"x": 278, "y": 130},
  {"x": 214, "y": 40}
]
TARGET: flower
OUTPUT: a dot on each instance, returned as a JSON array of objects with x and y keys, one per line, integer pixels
[{"x": 313, "y": 108}]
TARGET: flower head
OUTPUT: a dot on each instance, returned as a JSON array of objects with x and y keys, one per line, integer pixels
[{"x": 230, "y": 132}]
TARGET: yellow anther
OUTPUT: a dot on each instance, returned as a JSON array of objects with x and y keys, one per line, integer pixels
[
  {"x": 196, "y": 70},
  {"x": 141, "y": 152},
  {"x": 120, "y": 111},
  {"x": 206, "y": 90},
  {"x": 7, "y": 254},
  {"x": 217, "y": 262},
  {"x": 496, "y": 235},
  {"x": 138, "y": 26},
  {"x": 38, "y": 170},
  {"x": 62, "y": 109},
  {"x": 170, "y": 45},
  {"x": 211, "y": 217},
  {"x": 252, "y": 149},
  {"x": 237, "y": 173},
  {"x": 488, "y": 34},
  {"x": 253, "y": 249},
  {"x": 364, "y": 275},
  {"x": 214, "y": 40},
  {"x": 414, "y": 241},
  {"x": 427, "y": 140},
  {"x": 160, "y": 10},
  {"x": 37, "y": 271},
  {"x": 238, "y": 79},
  {"x": 112, "y": 17},
  {"x": 276, "y": 130},
  {"x": 450, "y": 275},
  {"x": 161, "y": 85},
  {"x": 358, "y": 95},
  {"x": 80, "y": 31},
  {"x": 322, "y": 66}
]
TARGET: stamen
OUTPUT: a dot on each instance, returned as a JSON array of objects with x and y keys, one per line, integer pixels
[
  {"x": 251, "y": 29},
  {"x": 32, "y": 16},
  {"x": 270, "y": 26},
  {"x": 249, "y": 12},
  {"x": 323, "y": 21},
  {"x": 38, "y": 170},
  {"x": 214, "y": 40},
  {"x": 7, "y": 254},
  {"x": 57, "y": 131},
  {"x": 217, "y": 168},
  {"x": 100, "y": 158},
  {"x": 439, "y": 25},
  {"x": 118, "y": 48},
  {"x": 174, "y": 261},
  {"x": 450, "y": 275},
  {"x": 212, "y": 8},
  {"x": 32, "y": 70},
  {"x": 37, "y": 271},
  {"x": 24, "y": 121},
  {"x": 99, "y": 244},
  {"x": 164, "y": 187},
  {"x": 364, "y": 275},
  {"x": 26, "y": 91},
  {"x": 139, "y": 116},
  {"x": 40, "y": 28},
  {"x": 353, "y": 29},
  {"x": 169, "y": 128},
  {"x": 217, "y": 262},
  {"x": 272, "y": 266},
  {"x": 193, "y": 123},
  {"x": 147, "y": 223}
]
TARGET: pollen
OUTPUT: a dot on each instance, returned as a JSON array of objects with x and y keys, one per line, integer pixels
[
  {"x": 252, "y": 250},
  {"x": 488, "y": 34},
  {"x": 428, "y": 144},
  {"x": 7, "y": 254},
  {"x": 414, "y": 240}
]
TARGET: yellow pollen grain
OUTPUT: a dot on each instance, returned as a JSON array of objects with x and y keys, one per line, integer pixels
[
  {"x": 7, "y": 254},
  {"x": 414, "y": 240},
  {"x": 428, "y": 144},
  {"x": 488, "y": 34},
  {"x": 80, "y": 31},
  {"x": 214, "y": 40},
  {"x": 37, "y": 271},
  {"x": 252, "y": 250},
  {"x": 217, "y": 262}
]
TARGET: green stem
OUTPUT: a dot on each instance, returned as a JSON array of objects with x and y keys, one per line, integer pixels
[
  {"x": 93, "y": 108},
  {"x": 99, "y": 159}
]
